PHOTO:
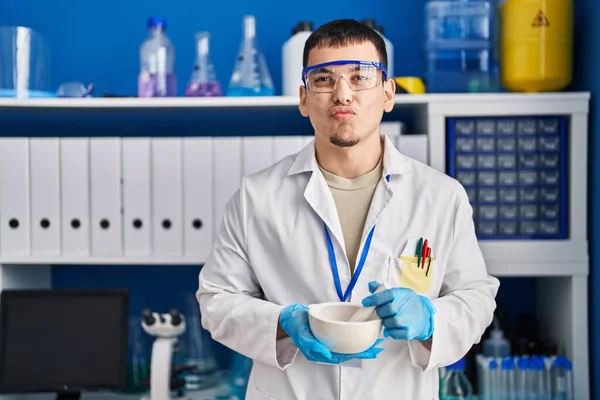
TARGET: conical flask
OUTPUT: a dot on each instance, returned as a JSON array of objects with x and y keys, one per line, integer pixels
[
  {"x": 203, "y": 82},
  {"x": 251, "y": 75}
]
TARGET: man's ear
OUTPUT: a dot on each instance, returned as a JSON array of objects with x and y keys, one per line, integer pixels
[
  {"x": 302, "y": 104},
  {"x": 390, "y": 94}
]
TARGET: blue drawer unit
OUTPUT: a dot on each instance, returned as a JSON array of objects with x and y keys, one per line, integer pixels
[{"x": 515, "y": 173}]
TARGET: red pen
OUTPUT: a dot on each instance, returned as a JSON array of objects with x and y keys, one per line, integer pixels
[{"x": 424, "y": 254}]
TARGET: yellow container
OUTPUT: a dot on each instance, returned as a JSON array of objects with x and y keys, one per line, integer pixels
[{"x": 536, "y": 45}]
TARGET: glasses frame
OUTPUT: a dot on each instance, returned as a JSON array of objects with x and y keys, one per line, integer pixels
[{"x": 376, "y": 64}]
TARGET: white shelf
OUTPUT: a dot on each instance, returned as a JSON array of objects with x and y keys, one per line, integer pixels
[
  {"x": 274, "y": 101},
  {"x": 37, "y": 260}
]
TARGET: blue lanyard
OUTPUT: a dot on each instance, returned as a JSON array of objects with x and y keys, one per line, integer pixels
[{"x": 334, "y": 268}]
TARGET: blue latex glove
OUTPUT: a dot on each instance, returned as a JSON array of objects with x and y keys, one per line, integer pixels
[
  {"x": 405, "y": 314},
  {"x": 294, "y": 321}
]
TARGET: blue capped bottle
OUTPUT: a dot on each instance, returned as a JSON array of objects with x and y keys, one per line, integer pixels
[
  {"x": 157, "y": 62},
  {"x": 456, "y": 385}
]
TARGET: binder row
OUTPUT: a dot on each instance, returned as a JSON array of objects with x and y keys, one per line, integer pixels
[{"x": 123, "y": 198}]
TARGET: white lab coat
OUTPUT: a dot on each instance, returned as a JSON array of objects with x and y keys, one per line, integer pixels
[{"x": 270, "y": 251}]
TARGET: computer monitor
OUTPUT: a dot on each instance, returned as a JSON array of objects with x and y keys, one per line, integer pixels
[{"x": 63, "y": 341}]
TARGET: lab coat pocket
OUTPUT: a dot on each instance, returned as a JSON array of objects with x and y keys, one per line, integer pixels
[{"x": 406, "y": 272}]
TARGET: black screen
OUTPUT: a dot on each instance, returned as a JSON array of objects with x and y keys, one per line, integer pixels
[{"x": 63, "y": 340}]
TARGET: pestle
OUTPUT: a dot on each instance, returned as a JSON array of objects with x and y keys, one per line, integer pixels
[{"x": 365, "y": 313}]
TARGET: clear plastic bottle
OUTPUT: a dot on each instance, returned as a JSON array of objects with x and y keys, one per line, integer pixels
[
  {"x": 203, "y": 82},
  {"x": 157, "y": 62},
  {"x": 456, "y": 385},
  {"x": 251, "y": 76},
  {"x": 496, "y": 345}
]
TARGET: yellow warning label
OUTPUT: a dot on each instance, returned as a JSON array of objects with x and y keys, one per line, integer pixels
[{"x": 540, "y": 20}]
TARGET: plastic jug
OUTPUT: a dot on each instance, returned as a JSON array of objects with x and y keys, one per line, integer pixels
[
  {"x": 292, "y": 55},
  {"x": 157, "y": 61},
  {"x": 536, "y": 44},
  {"x": 389, "y": 47}
]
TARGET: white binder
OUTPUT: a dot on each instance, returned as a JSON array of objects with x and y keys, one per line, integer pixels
[
  {"x": 167, "y": 197},
  {"x": 75, "y": 196},
  {"x": 227, "y": 153},
  {"x": 286, "y": 145},
  {"x": 45, "y": 196},
  {"x": 137, "y": 211},
  {"x": 257, "y": 153},
  {"x": 198, "y": 197},
  {"x": 105, "y": 192},
  {"x": 14, "y": 198}
]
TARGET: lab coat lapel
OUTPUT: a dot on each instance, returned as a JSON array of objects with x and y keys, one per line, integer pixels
[
  {"x": 318, "y": 195},
  {"x": 394, "y": 164}
]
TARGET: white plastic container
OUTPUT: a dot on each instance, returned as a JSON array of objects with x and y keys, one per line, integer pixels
[
  {"x": 389, "y": 47},
  {"x": 292, "y": 53}
]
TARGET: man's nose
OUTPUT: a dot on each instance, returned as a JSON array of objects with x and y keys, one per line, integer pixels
[{"x": 342, "y": 93}]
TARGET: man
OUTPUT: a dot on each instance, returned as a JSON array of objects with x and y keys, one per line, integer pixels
[{"x": 332, "y": 223}]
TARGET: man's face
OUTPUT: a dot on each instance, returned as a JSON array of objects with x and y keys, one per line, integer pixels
[{"x": 345, "y": 116}]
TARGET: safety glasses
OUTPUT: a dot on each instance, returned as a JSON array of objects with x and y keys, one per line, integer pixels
[{"x": 359, "y": 75}]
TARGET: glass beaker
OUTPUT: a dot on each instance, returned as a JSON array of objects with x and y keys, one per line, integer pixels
[
  {"x": 138, "y": 365},
  {"x": 251, "y": 76},
  {"x": 202, "y": 370},
  {"x": 203, "y": 82},
  {"x": 24, "y": 63}
]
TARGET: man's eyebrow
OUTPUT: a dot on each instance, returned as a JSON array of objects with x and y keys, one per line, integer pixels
[{"x": 324, "y": 69}]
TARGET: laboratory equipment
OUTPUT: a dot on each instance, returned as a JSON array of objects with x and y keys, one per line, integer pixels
[
  {"x": 63, "y": 341},
  {"x": 202, "y": 370},
  {"x": 157, "y": 62},
  {"x": 203, "y": 82},
  {"x": 536, "y": 42},
  {"x": 389, "y": 46},
  {"x": 329, "y": 323},
  {"x": 456, "y": 385},
  {"x": 507, "y": 379},
  {"x": 239, "y": 376},
  {"x": 138, "y": 366},
  {"x": 496, "y": 345},
  {"x": 514, "y": 171},
  {"x": 292, "y": 58},
  {"x": 24, "y": 63},
  {"x": 166, "y": 328},
  {"x": 459, "y": 46},
  {"x": 75, "y": 89},
  {"x": 251, "y": 76}
]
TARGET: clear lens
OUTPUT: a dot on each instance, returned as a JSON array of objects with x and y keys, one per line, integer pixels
[{"x": 357, "y": 76}]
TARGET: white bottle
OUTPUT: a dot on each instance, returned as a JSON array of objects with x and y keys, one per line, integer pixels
[
  {"x": 292, "y": 53},
  {"x": 389, "y": 47}
]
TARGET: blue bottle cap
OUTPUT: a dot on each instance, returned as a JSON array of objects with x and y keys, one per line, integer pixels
[
  {"x": 157, "y": 22},
  {"x": 523, "y": 364},
  {"x": 508, "y": 364},
  {"x": 457, "y": 366},
  {"x": 493, "y": 365}
]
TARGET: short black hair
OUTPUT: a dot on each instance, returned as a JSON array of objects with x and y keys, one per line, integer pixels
[{"x": 342, "y": 32}]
